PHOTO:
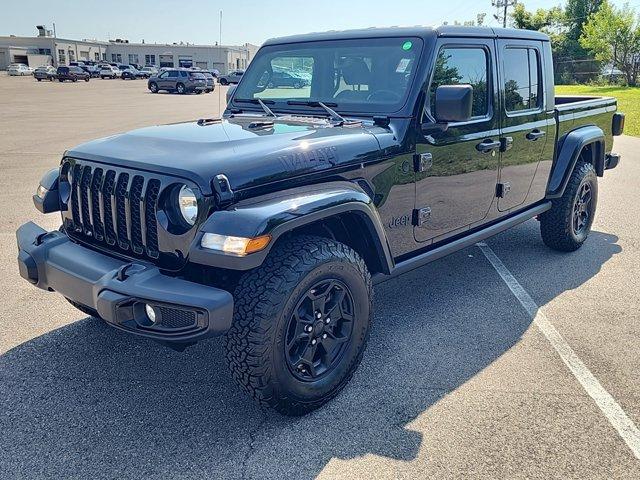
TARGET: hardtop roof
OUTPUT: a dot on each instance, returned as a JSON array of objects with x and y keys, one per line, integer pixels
[{"x": 421, "y": 32}]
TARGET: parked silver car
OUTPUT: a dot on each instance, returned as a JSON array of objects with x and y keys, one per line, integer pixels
[
  {"x": 232, "y": 77},
  {"x": 178, "y": 80}
]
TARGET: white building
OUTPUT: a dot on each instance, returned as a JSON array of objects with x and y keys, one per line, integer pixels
[{"x": 45, "y": 49}]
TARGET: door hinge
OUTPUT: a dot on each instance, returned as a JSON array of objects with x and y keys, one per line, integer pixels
[
  {"x": 502, "y": 189},
  {"x": 421, "y": 216},
  {"x": 422, "y": 162}
]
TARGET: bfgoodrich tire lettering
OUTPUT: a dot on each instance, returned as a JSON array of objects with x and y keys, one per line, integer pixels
[
  {"x": 567, "y": 225},
  {"x": 265, "y": 300}
]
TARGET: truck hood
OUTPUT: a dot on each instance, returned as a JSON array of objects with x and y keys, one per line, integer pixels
[{"x": 250, "y": 150}]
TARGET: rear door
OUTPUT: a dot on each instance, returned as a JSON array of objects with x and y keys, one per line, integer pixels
[
  {"x": 457, "y": 169},
  {"x": 525, "y": 120}
]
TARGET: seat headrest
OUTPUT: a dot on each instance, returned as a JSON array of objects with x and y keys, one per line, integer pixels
[{"x": 355, "y": 71}]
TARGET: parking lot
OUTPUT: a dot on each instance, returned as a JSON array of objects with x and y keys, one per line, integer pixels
[{"x": 459, "y": 380}]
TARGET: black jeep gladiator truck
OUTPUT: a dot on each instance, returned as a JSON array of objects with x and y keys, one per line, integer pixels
[{"x": 271, "y": 224}]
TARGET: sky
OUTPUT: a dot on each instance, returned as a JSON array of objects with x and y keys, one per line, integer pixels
[{"x": 244, "y": 21}]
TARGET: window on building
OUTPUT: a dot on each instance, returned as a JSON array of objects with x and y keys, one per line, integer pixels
[
  {"x": 97, "y": 56},
  {"x": 185, "y": 61},
  {"x": 62, "y": 58},
  {"x": 104, "y": 56},
  {"x": 84, "y": 55},
  {"x": 522, "y": 79},
  {"x": 116, "y": 57},
  {"x": 72, "y": 56},
  {"x": 460, "y": 66},
  {"x": 149, "y": 59},
  {"x": 133, "y": 58},
  {"x": 166, "y": 61},
  {"x": 202, "y": 65}
]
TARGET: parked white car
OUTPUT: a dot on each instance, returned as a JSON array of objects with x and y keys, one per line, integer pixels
[
  {"x": 149, "y": 71},
  {"x": 19, "y": 69},
  {"x": 109, "y": 71}
]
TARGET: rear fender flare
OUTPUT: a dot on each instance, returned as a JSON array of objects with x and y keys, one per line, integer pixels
[
  {"x": 569, "y": 150},
  {"x": 278, "y": 214}
]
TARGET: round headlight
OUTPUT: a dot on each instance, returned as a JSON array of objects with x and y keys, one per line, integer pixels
[{"x": 188, "y": 205}]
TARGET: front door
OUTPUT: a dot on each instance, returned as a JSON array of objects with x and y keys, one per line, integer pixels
[
  {"x": 525, "y": 128},
  {"x": 458, "y": 168}
]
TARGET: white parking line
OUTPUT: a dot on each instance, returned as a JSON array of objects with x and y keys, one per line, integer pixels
[{"x": 607, "y": 404}]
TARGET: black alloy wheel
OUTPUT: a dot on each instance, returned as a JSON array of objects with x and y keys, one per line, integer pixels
[
  {"x": 319, "y": 330},
  {"x": 582, "y": 209}
]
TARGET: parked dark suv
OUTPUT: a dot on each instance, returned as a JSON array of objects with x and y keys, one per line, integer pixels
[
  {"x": 175, "y": 80},
  {"x": 72, "y": 73}
]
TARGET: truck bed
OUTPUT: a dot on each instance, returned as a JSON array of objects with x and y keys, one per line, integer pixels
[{"x": 577, "y": 111}]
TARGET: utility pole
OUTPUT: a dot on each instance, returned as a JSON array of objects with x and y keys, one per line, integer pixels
[
  {"x": 220, "y": 29},
  {"x": 503, "y": 10}
]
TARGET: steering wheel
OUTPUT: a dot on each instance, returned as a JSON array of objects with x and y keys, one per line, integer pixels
[{"x": 384, "y": 96}]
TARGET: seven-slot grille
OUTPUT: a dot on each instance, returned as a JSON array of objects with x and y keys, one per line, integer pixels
[{"x": 114, "y": 208}]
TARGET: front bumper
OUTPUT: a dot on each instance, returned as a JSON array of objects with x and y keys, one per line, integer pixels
[{"x": 119, "y": 290}]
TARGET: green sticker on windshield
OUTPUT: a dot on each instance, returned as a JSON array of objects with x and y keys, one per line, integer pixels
[{"x": 406, "y": 46}]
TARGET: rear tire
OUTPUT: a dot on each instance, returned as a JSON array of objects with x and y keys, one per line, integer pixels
[
  {"x": 301, "y": 324},
  {"x": 567, "y": 225},
  {"x": 39, "y": 79},
  {"x": 153, "y": 87},
  {"x": 180, "y": 89},
  {"x": 223, "y": 81}
]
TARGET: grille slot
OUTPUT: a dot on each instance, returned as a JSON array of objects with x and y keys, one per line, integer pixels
[{"x": 115, "y": 208}]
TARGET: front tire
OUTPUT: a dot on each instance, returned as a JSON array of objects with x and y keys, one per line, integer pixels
[
  {"x": 567, "y": 225},
  {"x": 301, "y": 324},
  {"x": 153, "y": 87},
  {"x": 180, "y": 89}
]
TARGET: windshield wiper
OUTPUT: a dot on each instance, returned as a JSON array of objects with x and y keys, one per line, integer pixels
[
  {"x": 258, "y": 101},
  {"x": 327, "y": 107}
]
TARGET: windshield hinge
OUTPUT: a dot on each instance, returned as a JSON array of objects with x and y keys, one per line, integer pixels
[{"x": 224, "y": 194}]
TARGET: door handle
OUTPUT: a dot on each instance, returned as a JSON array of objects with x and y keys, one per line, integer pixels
[
  {"x": 535, "y": 135},
  {"x": 488, "y": 145}
]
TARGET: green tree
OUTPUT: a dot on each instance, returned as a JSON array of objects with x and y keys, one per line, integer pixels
[
  {"x": 541, "y": 19},
  {"x": 613, "y": 35},
  {"x": 572, "y": 62}
]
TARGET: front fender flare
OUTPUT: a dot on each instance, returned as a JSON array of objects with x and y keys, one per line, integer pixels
[
  {"x": 569, "y": 151},
  {"x": 279, "y": 213}
]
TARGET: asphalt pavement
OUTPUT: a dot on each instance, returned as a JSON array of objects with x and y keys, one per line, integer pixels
[{"x": 459, "y": 379}]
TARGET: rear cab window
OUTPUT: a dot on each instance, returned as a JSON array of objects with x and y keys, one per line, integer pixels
[{"x": 522, "y": 85}]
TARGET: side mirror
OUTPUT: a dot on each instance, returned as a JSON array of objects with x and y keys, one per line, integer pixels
[
  {"x": 232, "y": 89},
  {"x": 453, "y": 103}
]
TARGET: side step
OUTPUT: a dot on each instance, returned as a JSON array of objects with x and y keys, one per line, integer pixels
[{"x": 463, "y": 242}]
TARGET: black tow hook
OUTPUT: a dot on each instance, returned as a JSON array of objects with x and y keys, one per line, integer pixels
[{"x": 124, "y": 271}]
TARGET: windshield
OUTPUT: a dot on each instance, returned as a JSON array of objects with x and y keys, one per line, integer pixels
[{"x": 371, "y": 76}]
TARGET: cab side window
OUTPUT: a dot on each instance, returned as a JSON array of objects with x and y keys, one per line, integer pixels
[
  {"x": 521, "y": 80},
  {"x": 460, "y": 66}
]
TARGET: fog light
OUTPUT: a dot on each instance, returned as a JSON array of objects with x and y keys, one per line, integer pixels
[{"x": 151, "y": 313}]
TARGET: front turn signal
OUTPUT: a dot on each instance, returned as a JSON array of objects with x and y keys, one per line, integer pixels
[{"x": 234, "y": 245}]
